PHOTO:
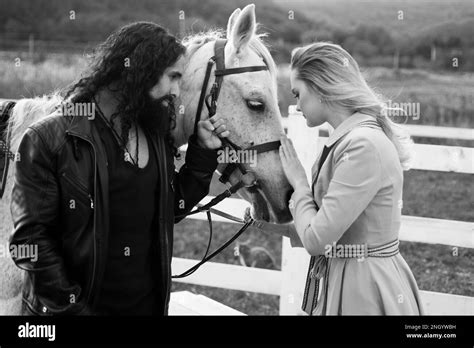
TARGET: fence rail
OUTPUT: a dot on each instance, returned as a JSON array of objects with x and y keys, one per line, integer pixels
[
  {"x": 441, "y": 132},
  {"x": 228, "y": 276},
  {"x": 415, "y": 130}
]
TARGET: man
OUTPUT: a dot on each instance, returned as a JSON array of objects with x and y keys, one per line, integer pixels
[{"x": 98, "y": 195}]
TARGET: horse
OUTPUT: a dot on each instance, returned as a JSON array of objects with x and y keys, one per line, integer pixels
[{"x": 248, "y": 103}]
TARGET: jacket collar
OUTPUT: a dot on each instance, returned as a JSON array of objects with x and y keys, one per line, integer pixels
[
  {"x": 349, "y": 124},
  {"x": 81, "y": 125}
]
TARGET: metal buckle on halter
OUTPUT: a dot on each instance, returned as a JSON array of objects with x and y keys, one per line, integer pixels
[
  {"x": 211, "y": 104},
  {"x": 249, "y": 179}
]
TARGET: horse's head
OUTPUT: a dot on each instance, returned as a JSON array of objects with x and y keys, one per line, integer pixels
[{"x": 248, "y": 104}]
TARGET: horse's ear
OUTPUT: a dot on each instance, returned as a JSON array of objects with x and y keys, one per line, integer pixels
[
  {"x": 231, "y": 22},
  {"x": 244, "y": 28}
]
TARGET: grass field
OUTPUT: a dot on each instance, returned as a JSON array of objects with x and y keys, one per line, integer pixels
[
  {"x": 20, "y": 78},
  {"x": 446, "y": 100}
]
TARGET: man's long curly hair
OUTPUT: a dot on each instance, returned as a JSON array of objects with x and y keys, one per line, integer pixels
[{"x": 133, "y": 60}]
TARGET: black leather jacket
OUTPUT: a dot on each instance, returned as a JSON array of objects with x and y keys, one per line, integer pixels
[{"x": 60, "y": 204}]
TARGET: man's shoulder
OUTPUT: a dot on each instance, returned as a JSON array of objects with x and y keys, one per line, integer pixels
[
  {"x": 54, "y": 119},
  {"x": 51, "y": 128}
]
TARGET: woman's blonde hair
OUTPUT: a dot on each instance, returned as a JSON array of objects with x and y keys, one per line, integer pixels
[{"x": 331, "y": 72}]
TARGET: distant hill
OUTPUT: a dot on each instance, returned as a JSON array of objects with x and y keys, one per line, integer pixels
[{"x": 418, "y": 15}]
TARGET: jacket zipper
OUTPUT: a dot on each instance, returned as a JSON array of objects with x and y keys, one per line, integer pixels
[
  {"x": 80, "y": 187},
  {"x": 92, "y": 202}
]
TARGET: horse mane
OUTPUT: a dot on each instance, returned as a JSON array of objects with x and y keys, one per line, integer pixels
[{"x": 28, "y": 111}]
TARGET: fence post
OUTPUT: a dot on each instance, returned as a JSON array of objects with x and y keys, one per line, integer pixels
[{"x": 295, "y": 261}]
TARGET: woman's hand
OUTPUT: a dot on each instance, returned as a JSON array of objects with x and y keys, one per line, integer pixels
[
  {"x": 209, "y": 131},
  {"x": 292, "y": 167}
]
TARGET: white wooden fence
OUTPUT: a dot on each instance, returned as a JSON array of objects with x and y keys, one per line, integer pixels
[{"x": 289, "y": 282}]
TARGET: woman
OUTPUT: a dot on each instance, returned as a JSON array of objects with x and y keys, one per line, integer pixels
[{"x": 349, "y": 219}]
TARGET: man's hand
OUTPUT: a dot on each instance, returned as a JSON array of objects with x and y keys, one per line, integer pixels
[{"x": 209, "y": 131}]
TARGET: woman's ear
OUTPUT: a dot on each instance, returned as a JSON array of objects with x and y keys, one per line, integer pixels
[
  {"x": 244, "y": 29},
  {"x": 231, "y": 22}
]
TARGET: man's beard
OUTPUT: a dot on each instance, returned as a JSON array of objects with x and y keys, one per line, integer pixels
[{"x": 158, "y": 115}]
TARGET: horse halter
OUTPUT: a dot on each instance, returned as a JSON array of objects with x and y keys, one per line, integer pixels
[{"x": 248, "y": 178}]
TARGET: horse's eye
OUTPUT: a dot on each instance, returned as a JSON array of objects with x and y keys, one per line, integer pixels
[{"x": 255, "y": 105}]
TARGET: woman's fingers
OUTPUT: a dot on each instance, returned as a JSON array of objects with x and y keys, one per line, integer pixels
[
  {"x": 289, "y": 148},
  {"x": 285, "y": 147},
  {"x": 282, "y": 152},
  {"x": 282, "y": 156}
]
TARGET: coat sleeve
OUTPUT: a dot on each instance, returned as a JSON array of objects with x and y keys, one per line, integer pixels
[
  {"x": 34, "y": 209},
  {"x": 355, "y": 182},
  {"x": 192, "y": 182}
]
